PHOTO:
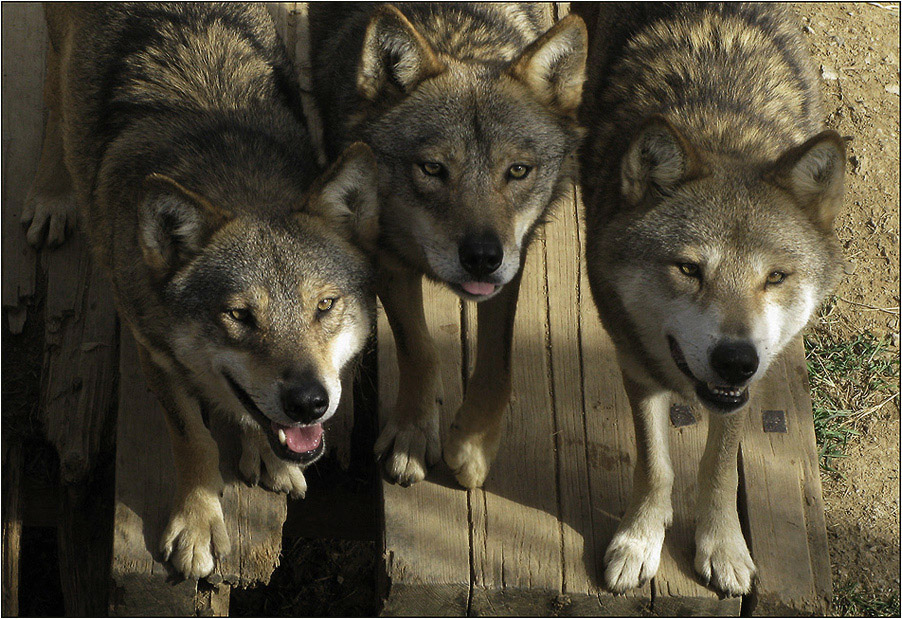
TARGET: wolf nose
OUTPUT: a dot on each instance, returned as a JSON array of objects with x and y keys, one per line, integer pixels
[
  {"x": 305, "y": 400},
  {"x": 735, "y": 362},
  {"x": 480, "y": 254}
]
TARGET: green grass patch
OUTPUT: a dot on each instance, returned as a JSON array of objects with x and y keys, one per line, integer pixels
[
  {"x": 851, "y": 380},
  {"x": 850, "y": 599}
]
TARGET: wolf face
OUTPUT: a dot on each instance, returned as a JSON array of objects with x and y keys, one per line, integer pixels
[
  {"x": 269, "y": 312},
  {"x": 726, "y": 261},
  {"x": 471, "y": 154}
]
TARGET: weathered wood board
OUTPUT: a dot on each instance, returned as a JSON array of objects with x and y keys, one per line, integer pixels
[
  {"x": 24, "y": 41},
  {"x": 145, "y": 483},
  {"x": 12, "y": 527}
]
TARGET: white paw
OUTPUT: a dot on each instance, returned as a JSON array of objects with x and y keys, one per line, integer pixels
[
  {"x": 469, "y": 456},
  {"x": 259, "y": 465},
  {"x": 281, "y": 476},
  {"x": 196, "y": 535},
  {"x": 408, "y": 450},
  {"x": 633, "y": 556},
  {"x": 722, "y": 559},
  {"x": 48, "y": 218}
]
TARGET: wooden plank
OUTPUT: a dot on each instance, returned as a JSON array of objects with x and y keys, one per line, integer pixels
[
  {"x": 81, "y": 359},
  {"x": 518, "y": 569},
  {"x": 426, "y": 556},
  {"x": 24, "y": 42},
  {"x": 677, "y": 590},
  {"x": 145, "y": 483},
  {"x": 610, "y": 438},
  {"x": 582, "y": 568},
  {"x": 12, "y": 525},
  {"x": 782, "y": 505}
]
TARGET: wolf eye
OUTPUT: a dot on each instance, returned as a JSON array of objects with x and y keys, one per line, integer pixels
[
  {"x": 325, "y": 304},
  {"x": 240, "y": 314},
  {"x": 431, "y": 168},
  {"x": 518, "y": 171},
  {"x": 690, "y": 269},
  {"x": 776, "y": 277}
]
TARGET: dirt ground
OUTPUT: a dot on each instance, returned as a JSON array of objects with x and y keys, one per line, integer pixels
[{"x": 857, "y": 49}]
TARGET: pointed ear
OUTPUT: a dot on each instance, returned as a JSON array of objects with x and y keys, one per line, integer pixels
[
  {"x": 347, "y": 196},
  {"x": 174, "y": 223},
  {"x": 813, "y": 174},
  {"x": 395, "y": 56},
  {"x": 554, "y": 65},
  {"x": 659, "y": 158}
]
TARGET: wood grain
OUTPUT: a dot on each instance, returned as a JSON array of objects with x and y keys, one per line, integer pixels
[
  {"x": 24, "y": 42},
  {"x": 426, "y": 545},
  {"x": 783, "y": 506}
]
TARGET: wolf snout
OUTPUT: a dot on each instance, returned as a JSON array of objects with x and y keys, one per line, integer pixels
[
  {"x": 735, "y": 362},
  {"x": 481, "y": 254},
  {"x": 304, "y": 400}
]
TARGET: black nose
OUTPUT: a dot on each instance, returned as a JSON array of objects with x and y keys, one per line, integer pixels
[
  {"x": 305, "y": 400},
  {"x": 735, "y": 362},
  {"x": 480, "y": 254}
]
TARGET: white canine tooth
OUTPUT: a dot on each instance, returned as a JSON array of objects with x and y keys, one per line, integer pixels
[{"x": 282, "y": 438}]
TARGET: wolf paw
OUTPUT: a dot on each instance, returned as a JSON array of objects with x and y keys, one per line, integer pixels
[
  {"x": 259, "y": 465},
  {"x": 632, "y": 557},
  {"x": 408, "y": 451},
  {"x": 49, "y": 218},
  {"x": 196, "y": 535},
  {"x": 723, "y": 560},
  {"x": 469, "y": 456}
]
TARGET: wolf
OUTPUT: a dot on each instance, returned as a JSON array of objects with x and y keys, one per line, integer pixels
[
  {"x": 245, "y": 278},
  {"x": 710, "y": 188},
  {"x": 471, "y": 112}
]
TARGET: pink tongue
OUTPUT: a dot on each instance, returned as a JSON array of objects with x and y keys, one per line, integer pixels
[
  {"x": 478, "y": 289},
  {"x": 301, "y": 439}
]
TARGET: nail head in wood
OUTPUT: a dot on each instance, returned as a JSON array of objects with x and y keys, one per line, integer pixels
[
  {"x": 681, "y": 415},
  {"x": 774, "y": 421}
]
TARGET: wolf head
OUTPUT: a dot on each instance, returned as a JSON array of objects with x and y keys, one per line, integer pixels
[
  {"x": 726, "y": 259},
  {"x": 470, "y": 154},
  {"x": 269, "y": 311}
]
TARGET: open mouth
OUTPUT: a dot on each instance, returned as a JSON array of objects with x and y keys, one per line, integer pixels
[
  {"x": 298, "y": 443},
  {"x": 476, "y": 291},
  {"x": 719, "y": 398}
]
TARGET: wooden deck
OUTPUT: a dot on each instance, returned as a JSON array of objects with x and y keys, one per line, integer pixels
[{"x": 530, "y": 542}]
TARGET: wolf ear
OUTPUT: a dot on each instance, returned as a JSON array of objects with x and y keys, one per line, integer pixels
[
  {"x": 554, "y": 65},
  {"x": 658, "y": 158},
  {"x": 347, "y": 196},
  {"x": 174, "y": 223},
  {"x": 395, "y": 56},
  {"x": 813, "y": 174}
]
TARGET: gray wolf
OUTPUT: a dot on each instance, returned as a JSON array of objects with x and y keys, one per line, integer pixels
[
  {"x": 710, "y": 188},
  {"x": 176, "y": 130},
  {"x": 471, "y": 112}
]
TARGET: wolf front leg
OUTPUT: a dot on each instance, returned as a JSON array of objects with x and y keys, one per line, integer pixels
[
  {"x": 410, "y": 439},
  {"x": 196, "y": 533},
  {"x": 721, "y": 555},
  {"x": 50, "y": 210},
  {"x": 475, "y": 435},
  {"x": 634, "y": 553}
]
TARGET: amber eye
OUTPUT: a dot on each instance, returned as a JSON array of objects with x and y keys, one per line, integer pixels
[
  {"x": 690, "y": 269},
  {"x": 519, "y": 171},
  {"x": 325, "y": 304},
  {"x": 431, "y": 168},
  {"x": 240, "y": 314},
  {"x": 776, "y": 277}
]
